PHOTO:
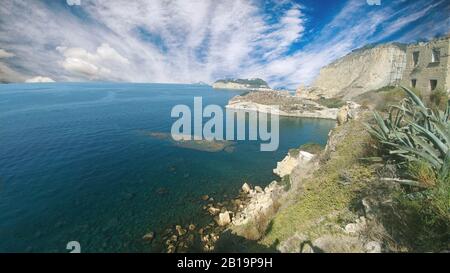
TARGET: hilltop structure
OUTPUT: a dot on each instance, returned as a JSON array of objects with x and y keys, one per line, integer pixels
[{"x": 428, "y": 65}]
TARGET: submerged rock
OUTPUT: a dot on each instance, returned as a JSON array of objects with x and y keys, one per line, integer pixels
[
  {"x": 200, "y": 145},
  {"x": 205, "y": 197},
  {"x": 149, "y": 236}
]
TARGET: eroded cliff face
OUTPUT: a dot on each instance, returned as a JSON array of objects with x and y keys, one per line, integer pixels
[{"x": 358, "y": 72}]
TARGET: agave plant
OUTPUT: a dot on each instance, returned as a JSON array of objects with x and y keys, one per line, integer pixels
[{"x": 413, "y": 132}]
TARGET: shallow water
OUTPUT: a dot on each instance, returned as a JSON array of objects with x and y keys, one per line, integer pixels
[{"x": 77, "y": 163}]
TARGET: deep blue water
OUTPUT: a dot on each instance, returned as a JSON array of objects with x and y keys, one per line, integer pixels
[{"x": 77, "y": 163}]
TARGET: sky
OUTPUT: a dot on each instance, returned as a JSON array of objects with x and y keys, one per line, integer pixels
[{"x": 188, "y": 41}]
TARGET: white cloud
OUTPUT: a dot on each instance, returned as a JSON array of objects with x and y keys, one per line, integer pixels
[
  {"x": 191, "y": 40},
  {"x": 39, "y": 79},
  {"x": 94, "y": 66},
  {"x": 9, "y": 75},
  {"x": 73, "y": 2},
  {"x": 6, "y": 54}
]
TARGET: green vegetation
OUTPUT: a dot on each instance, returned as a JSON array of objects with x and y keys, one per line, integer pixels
[
  {"x": 324, "y": 195},
  {"x": 331, "y": 102},
  {"x": 399, "y": 159},
  {"x": 416, "y": 139},
  {"x": 310, "y": 147},
  {"x": 251, "y": 82},
  {"x": 412, "y": 132},
  {"x": 382, "y": 99},
  {"x": 438, "y": 99},
  {"x": 286, "y": 182}
]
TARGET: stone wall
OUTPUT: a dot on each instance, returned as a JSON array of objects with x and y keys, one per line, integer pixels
[{"x": 425, "y": 69}]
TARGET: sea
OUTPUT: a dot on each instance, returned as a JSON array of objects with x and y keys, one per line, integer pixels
[{"x": 79, "y": 162}]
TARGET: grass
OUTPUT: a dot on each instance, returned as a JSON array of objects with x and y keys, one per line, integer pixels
[
  {"x": 438, "y": 99},
  {"x": 413, "y": 219},
  {"x": 381, "y": 99},
  {"x": 324, "y": 194},
  {"x": 310, "y": 147},
  {"x": 331, "y": 102},
  {"x": 422, "y": 172}
]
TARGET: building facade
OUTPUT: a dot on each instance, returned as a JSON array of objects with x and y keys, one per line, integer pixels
[{"x": 428, "y": 66}]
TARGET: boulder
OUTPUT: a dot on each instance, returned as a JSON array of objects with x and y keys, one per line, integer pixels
[
  {"x": 359, "y": 225},
  {"x": 289, "y": 163},
  {"x": 246, "y": 188},
  {"x": 213, "y": 210},
  {"x": 373, "y": 247},
  {"x": 181, "y": 231},
  {"x": 224, "y": 219},
  {"x": 342, "y": 115},
  {"x": 337, "y": 244},
  {"x": 205, "y": 197}
]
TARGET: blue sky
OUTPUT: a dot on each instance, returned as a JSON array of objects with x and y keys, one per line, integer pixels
[{"x": 284, "y": 42}]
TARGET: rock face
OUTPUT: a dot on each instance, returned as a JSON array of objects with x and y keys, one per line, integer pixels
[
  {"x": 358, "y": 72},
  {"x": 246, "y": 188},
  {"x": 224, "y": 219},
  {"x": 347, "y": 112},
  {"x": 288, "y": 164},
  {"x": 252, "y": 221}
]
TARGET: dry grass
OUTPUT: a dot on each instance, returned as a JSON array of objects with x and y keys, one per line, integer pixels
[{"x": 323, "y": 193}]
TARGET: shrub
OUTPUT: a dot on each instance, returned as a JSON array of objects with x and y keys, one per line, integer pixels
[
  {"x": 423, "y": 173},
  {"x": 331, "y": 102},
  {"x": 417, "y": 139},
  {"x": 438, "y": 99},
  {"x": 412, "y": 132},
  {"x": 311, "y": 147},
  {"x": 286, "y": 182}
]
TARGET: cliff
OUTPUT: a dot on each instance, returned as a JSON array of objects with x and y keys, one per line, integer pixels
[
  {"x": 362, "y": 70},
  {"x": 242, "y": 84}
]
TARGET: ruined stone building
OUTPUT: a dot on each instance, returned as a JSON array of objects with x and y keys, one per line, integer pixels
[{"x": 428, "y": 65}]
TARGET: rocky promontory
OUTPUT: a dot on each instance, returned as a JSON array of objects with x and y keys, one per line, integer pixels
[
  {"x": 242, "y": 84},
  {"x": 281, "y": 103}
]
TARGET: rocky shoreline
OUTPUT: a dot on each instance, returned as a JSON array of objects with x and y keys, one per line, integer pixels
[
  {"x": 282, "y": 104},
  {"x": 248, "y": 214}
]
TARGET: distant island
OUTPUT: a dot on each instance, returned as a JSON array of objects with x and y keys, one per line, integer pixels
[{"x": 242, "y": 84}]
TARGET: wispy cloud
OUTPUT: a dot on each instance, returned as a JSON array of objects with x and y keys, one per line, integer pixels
[{"x": 194, "y": 40}]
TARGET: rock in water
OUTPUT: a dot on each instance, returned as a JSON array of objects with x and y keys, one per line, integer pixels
[
  {"x": 213, "y": 210},
  {"x": 181, "y": 231},
  {"x": 258, "y": 189},
  {"x": 224, "y": 219},
  {"x": 149, "y": 236},
  {"x": 246, "y": 188},
  {"x": 191, "y": 227},
  {"x": 205, "y": 197}
]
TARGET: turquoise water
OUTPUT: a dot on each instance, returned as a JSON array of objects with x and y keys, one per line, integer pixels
[{"x": 77, "y": 164}]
